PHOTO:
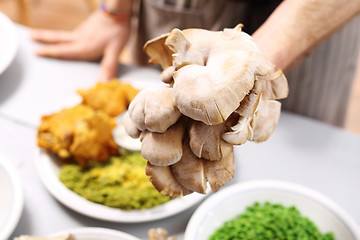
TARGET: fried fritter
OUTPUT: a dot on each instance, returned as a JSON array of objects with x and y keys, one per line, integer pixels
[
  {"x": 80, "y": 132},
  {"x": 112, "y": 97}
]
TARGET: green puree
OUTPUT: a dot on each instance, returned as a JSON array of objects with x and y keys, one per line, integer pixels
[
  {"x": 120, "y": 182},
  {"x": 270, "y": 222}
]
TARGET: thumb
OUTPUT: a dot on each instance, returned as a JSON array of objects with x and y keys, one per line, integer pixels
[{"x": 109, "y": 62}]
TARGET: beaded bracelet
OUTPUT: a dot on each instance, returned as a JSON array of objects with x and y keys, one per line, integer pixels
[{"x": 116, "y": 15}]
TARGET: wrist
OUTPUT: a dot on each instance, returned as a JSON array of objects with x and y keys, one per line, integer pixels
[
  {"x": 119, "y": 10},
  {"x": 274, "y": 48}
]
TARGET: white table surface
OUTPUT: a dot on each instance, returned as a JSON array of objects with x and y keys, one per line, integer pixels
[{"x": 301, "y": 150}]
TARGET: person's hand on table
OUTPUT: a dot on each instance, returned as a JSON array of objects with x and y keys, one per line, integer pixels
[{"x": 100, "y": 35}]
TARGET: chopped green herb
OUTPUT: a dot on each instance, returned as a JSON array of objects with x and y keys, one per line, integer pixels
[
  {"x": 120, "y": 182},
  {"x": 270, "y": 222}
]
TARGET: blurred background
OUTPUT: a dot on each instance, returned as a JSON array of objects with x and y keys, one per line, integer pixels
[{"x": 67, "y": 14}]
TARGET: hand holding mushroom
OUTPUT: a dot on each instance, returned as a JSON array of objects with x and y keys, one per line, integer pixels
[{"x": 221, "y": 91}]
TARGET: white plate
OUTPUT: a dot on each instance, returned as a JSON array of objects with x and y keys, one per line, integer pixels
[
  {"x": 233, "y": 200},
  {"x": 96, "y": 234},
  {"x": 11, "y": 200},
  {"x": 8, "y": 42},
  {"x": 48, "y": 167}
]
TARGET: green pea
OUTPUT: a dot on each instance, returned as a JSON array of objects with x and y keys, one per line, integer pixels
[{"x": 270, "y": 222}]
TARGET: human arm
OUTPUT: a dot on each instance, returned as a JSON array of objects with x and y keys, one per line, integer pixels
[
  {"x": 99, "y": 35},
  {"x": 296, "y": 27}
]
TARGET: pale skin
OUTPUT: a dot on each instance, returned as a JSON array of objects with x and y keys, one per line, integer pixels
[
  {"x": 296, "y": 27},
  {"x": 99, "y": 36},
  {"x": 290, "y": 32}
]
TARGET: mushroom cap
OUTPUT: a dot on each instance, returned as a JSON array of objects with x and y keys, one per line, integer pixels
[
  {"x": 157, "y": 50},
  {"x": 214, "y": 70},
  {"x": 164, "y": 50},
  {"x": 164, "y": 181},
  {"x": 211, "y": 93},
  {"x": 130, "y": 127},
  {"x": 189, "y": 171},
  {"x": 265, "y": 120},
  {"x": 240, "y": 132},
  {"x": 136, "y": 110},
  {"x": 250, "y": 102},
  {"x": 276, "y": 87},
  {"x": 193, "y": 46},
  {"x": 159, "y": 234},
  {"x": 167, "y": 75},
  {"x": 218, "y": 173},
  {"x": 258, "y": 127},
  {"x": 206, "y": 142},
  {"x": 154, "y": 110},
  {"x": 163, "y": 149},
  {"x": 190, "y": 46},
  {"x": 265, "y": 117}
]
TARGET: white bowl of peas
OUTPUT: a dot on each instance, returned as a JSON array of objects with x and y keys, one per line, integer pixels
[{"x": 270, "y": 209}]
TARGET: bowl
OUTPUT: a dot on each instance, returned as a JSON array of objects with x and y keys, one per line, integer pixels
[
  {"x": 12, "y": 197},
  {"x": 8, "y": 42},
  {"x": 233, "y": 200},
  {"x": 94, "y": 233},
  {"x": 87, "y": 233}
]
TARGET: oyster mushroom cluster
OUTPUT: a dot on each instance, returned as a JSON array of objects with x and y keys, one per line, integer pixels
[{"x": 220, "y": 91}]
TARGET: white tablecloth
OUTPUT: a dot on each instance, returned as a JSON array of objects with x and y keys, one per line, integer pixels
[{"x": 301, "y": 150}]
